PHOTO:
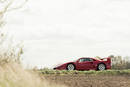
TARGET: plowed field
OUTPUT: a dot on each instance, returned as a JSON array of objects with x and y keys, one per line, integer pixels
[{"x": 78, "y": 80}]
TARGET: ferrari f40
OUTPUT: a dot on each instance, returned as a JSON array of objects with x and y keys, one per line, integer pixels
[{"x": 86, "y": 63}]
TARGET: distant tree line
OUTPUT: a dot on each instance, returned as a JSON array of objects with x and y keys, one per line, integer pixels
[{"x": 119, "y": 62}]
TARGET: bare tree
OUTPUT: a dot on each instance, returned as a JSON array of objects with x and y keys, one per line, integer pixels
[
  {"x": 12, "y": 53},
  {"x": 7, "y": 6}
]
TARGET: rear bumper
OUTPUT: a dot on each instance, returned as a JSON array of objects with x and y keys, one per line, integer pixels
[{"x": 108, "y": 67}]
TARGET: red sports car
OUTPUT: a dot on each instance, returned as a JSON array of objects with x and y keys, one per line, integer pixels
[{"x": 86, "y": 63}]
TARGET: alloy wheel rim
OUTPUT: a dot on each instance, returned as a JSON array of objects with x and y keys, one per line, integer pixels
[
  {"x": 70, "y": 67},
  {"x": 101, "y": 67}
]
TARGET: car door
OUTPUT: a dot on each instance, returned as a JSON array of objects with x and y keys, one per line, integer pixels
[{"x": 85, "y": 64}]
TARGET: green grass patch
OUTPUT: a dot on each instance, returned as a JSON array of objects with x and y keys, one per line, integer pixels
[{"x": 91, "y": 72}]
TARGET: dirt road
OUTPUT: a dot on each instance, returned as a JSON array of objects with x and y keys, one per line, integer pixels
[{"x": 91, "y": 80}]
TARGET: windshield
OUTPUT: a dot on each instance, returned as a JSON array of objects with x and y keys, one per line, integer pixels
[{"x": 74, "y": 60}]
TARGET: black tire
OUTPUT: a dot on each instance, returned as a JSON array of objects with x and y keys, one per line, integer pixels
[
  {"x": 70, "y": 66},
  {"x": 101, "y": 67}
]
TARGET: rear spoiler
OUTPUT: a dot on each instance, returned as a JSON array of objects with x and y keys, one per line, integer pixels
[{"x": 108, "y": 59}]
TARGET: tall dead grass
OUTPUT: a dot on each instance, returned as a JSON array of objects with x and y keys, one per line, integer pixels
[{"x": 12, "y": 74}]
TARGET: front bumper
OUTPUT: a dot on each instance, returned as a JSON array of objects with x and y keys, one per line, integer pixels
[{"x": 62, "y": 67}]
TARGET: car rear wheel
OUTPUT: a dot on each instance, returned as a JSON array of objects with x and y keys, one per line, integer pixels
[
  {"x": 101, "y": 67},
  {"x": 70, "y": 67}
]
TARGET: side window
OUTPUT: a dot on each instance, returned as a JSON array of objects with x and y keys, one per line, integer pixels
[
  {"x": 81, "y": 60},
  {"x": 91, "y": 59},
  {"x": 85, "y": 59},
  {"x": 88, "y": 59}
]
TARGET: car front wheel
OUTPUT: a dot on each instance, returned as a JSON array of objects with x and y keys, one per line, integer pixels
[{"x": 70, "y": 67}]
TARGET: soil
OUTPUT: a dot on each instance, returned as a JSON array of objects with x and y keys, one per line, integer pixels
[{"x": 90, "y": 80}]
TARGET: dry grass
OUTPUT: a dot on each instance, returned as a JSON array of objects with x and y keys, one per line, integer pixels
[{"x": 13, "y": 75}]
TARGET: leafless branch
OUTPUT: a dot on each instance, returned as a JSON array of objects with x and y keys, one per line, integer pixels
[
  {"x": 18, "y": 7},
  {"x": 8, "y": 8}
]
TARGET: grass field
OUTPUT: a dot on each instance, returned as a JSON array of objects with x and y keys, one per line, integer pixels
[{"x": 91, "y": 72}]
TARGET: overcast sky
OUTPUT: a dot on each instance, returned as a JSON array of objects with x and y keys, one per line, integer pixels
[{"x": 55, "y": 31}]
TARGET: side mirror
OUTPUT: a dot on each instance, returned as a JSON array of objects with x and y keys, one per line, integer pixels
[{"x": 77, "y": 61}]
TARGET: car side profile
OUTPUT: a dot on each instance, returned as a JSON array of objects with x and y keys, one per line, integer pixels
[{"x": 86, "y": 63}]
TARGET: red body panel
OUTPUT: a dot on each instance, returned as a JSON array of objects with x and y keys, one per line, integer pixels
[{"x": 87, "y": 65}]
